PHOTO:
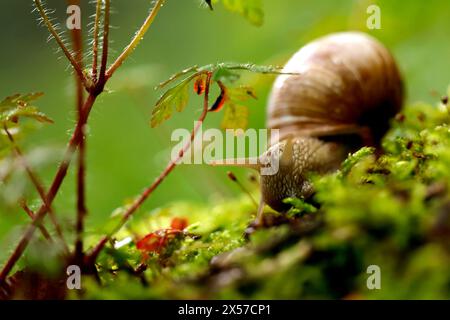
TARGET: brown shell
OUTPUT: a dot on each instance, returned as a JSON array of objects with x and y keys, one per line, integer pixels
[{"x": 346, "y": 81}]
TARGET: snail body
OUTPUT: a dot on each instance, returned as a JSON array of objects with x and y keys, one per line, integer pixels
[
  {"x": 305, "y": 155},
  {"x": 336, "y": 94}
]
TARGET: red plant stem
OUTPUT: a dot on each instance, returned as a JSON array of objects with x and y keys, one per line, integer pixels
[
  {"x": 104, "y": 62},
  {"x": 51, "y": 194},
  {"x": 51, "y": 28},
  {"x": 147, "y": 192},
  {"x": 81, "y": 161},
  {"x": 30, "y": 213},
  {"x": 81, "y": 189},
  {"x": 98, "y": 13},
  {"x": 38, "y": 186}
]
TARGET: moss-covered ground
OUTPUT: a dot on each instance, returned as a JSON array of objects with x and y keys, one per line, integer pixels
[{"x": 392, "y": 211}]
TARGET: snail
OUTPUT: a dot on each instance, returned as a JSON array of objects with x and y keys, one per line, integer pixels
[{"x": 337, "y": 94}]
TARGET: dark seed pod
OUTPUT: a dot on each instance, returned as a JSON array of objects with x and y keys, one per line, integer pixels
[{"x": 221, "y": 99}]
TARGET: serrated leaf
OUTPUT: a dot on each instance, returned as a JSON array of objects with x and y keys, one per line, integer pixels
[
  {"x": 177, "y": 76},
  {"x": 223, "y": 71},
  {"x": 28, "y": 112},
  {"x": 242, "y": 66},
  {"x": 235, "y": 117},
  {"x": 178, "y": 96},
  {"x": 175, "y": 98},
  {"x": 17, "y": 106},
  {"x": 226, "y": 71},
  {"x": 19, "y": 99}
]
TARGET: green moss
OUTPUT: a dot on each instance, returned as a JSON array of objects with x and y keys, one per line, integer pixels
[{"x": 392, "y": 211}]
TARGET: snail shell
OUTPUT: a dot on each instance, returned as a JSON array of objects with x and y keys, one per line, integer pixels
[{"x": 345, "y": 82}]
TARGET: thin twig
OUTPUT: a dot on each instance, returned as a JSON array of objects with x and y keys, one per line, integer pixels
[
  {"x": 38, "y": 185},
  {"x": 81, "y": 163},
  {"x": 78, "y": 69},
  {"x": 136, "y": 39},
  {"x": 233, "y": 178},
  {"x": 30, "y": 213},
  {"x": 170, "y": 166},
  {"x": 98, "y": 13}
]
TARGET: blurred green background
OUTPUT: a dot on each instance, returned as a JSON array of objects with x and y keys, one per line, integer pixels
[{"x": 124, "y": 153}]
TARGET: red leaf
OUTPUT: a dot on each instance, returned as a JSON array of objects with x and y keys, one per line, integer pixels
[
  {"x": 158, "y": 240},
  {"x": 150, "y": 243}
]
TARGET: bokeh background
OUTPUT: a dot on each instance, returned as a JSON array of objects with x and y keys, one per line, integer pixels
[{"x": 124, "y": 153}]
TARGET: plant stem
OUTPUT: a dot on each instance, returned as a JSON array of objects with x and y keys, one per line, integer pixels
[
  {"x": 51, "y": 194},
  {"x": 60, "y": 42},
  {"x": 169, "y": 168},
  {"x": 81, "y": 163},
  {"x": 172, "y": 164},
  {"x": 104, "y": 62},
  {"x": 38, "y": 185},
  {"x": 136, "y": 39},
  {"x": 30, "y": 213},
  {"x": 77, "y": 135},
  {"x": 98, "y": 13}
]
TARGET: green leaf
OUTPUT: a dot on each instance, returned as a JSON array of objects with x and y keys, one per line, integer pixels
[
  {"x": 225, "y": 75},
  {"x": 19, "y": 99},
  {"x": 223, "y": 71},
  {"x": 177, "y": 76},
  {"x": 218, "y": 67},
  {"x": 28, "y": 112},
  {"x": 17, "y": 106},
  {"x": 249, "y": 9},
  {"x": 176, "y": 98},
  {"x": 235, "y": 117}
]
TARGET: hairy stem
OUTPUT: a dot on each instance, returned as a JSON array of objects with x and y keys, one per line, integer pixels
[
  {"x": 77, "y": 41},
  {"x": 169, "y": 168},
  {"x": 38, "y": 186},
  {"x": 78, "y": 69},
  {"x": 104, "y": 62},
  {"x": 98, "y": 13},
  {"x": 136, "y": 39}
]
